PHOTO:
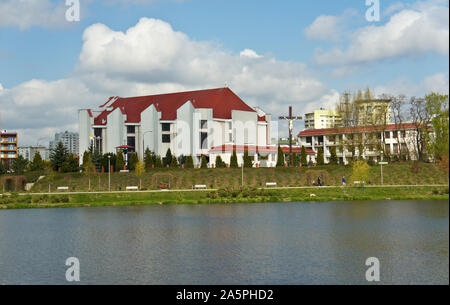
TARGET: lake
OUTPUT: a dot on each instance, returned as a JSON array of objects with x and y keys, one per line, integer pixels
[{"x": 270, "y": 243}]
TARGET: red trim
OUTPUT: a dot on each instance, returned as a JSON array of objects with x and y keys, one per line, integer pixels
[{"x": 390, "y": 127}]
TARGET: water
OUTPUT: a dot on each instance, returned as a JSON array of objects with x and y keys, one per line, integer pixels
[{"x": 276, "y": 243}]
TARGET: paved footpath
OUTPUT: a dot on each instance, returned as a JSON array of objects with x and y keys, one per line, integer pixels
[{"x": 211, "y": 190}]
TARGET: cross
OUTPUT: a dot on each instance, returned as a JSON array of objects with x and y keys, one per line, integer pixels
[{"x": 291, "y": 120}]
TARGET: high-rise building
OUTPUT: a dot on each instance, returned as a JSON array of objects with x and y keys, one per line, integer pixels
[
  {"x": 322, "y": 118},
  {"x": 70, "y": 140},
  {"x": 8, "y": 147},
  {"x": 28, "y": 152}
]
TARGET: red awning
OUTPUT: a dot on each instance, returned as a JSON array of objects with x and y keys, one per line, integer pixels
[{"x": 125, "y": 146}]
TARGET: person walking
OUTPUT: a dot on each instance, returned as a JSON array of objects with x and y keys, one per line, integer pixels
[
  {"x": 343, "y": 180},
  {"x": 319, "y": 182}
]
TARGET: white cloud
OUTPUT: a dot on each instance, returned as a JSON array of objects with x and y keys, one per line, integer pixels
[
  {"x": 151, "y": 58},
  {"x": 438, "y": 83},
  {"x": 324, "y": 28},
  {"x": 28, "y": 13},
  {"x": 415, "y": 30}
]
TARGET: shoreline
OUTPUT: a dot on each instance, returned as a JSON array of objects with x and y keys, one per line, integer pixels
[{"x": 213, "y": 196}]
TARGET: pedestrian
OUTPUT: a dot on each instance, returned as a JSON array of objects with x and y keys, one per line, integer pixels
[
  {"x": 319, "y": 182},
  {"x": 343, "y": 180}
]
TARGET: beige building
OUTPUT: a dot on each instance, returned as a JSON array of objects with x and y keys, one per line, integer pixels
[
  {"x": 8, "y": 147},
  {"x": 373, "y": 112},
  {"x": 322, "y": 118}
]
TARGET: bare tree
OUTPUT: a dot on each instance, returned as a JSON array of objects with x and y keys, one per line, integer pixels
[{"x": 421, "y": 119}]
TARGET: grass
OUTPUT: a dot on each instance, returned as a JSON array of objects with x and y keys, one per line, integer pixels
[
  {"x": 394, "y": 174},
  {"x": 225, "y": 196}
]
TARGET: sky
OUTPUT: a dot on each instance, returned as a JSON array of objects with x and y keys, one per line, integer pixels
[{"x": 271, "y": 53}]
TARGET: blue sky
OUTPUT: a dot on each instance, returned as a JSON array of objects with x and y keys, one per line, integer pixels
[{"x": 313, "y": 45}]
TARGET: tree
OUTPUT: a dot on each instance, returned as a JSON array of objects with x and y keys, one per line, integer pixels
[
  {"x": 148, "y": 160},
  {"x": 158, "y": 162},
  {"x": 421, "y": 119},
  {"x": 139, "y": 171},
  {"x": 280, "y": 159},
  {"x": 333, "y": 155},
  {"x": 233, "y": 160},
  {"x": 295, "y": 160},
  {"x": 2, "y": 168},
  {"x": 109, "y": 158},
  {"x": 71, "y": 164},
  {"x": 120, "y": 162},
  {"x": 58, "y": 156},
  {"x": 174, "y": 162},
  {"x": 37, "y": 164},
  {"x": 360, "y": 171},
  {"x": 204, "y": 163},
  {"x": 189, "y": 163},
  {"x": 320, "y": 158},
  {"x": 168, "y": 158},
  {"x": 132, "y": 161},
  {"x": 303, "y": 156},
  {"x": 88, "y": 167},
  {"x": 219, "y": 162},
  {"x": 248, "y": 162},
  {"x": 438, "y": 142},
  {"x": 19, "y": 165}
]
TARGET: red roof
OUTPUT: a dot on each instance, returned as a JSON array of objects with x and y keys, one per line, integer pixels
[
  {"x": 221, "y": 100},
  {"x": 261, "y": 118},
  {"x": 390, "y": 127}
]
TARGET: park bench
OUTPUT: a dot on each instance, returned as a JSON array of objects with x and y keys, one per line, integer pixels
[
  {"x": 63, "y": 188},
  {"x": 199, "y": 186},
  {"x": 271, "y": 184},
  {"x": 132, "y": 188},
  {"x": 124, "y": 171}
]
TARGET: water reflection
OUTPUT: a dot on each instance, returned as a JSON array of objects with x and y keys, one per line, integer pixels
[{"x": 277, "y": 243}]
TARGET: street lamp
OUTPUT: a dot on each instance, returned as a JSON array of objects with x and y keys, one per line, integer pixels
[
  {"x": 381, "y": 166},
  {"x": 109, "y": 173}
]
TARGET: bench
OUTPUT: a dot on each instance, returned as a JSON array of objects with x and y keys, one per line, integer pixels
[
  {"x": 62, "y": 188},
  {"x": 271, "y": 184},
  {"x": 124, "y": 171},
  {"x": 132, "y": 188},
  {"x": 200, "y": 186}
]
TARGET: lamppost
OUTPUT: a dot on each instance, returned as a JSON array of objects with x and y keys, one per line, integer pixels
[
  {"x": 143, "y": 143},
  {"x": 381, "y": 166},
  {"x": 109, "y": 173}
]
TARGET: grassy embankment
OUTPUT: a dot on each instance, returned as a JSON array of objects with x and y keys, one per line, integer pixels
[
  {"x": 228, "y": 182},
  {"x": 16, "y": 201}
]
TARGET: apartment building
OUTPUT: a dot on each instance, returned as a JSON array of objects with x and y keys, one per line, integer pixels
[
  {"x": 204, "y": 122},
  {"x": 322, "y": 118},
  {"x": 28, "y": 152},
  {"x": 70, "y": 141},
  {"x": 8, "y": 147},
  {"x": 370, "y": 143}
]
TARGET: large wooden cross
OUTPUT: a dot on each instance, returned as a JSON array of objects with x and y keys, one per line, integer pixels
[{"x": 291, "y": 120}]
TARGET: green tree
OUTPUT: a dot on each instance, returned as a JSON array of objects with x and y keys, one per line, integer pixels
[
  {"x": 248, "y": 162},
  {"x": 139, "y": 171},
  {"x": 174, "y": 162},
  {"x": 120, "y": 162},
  {"x": 233, "y": 160},
  {"x": 132, "y": 161},
  {"x": 148, "y": 160},
  {"x": 58, "y": 156},
  {"x": 333, "y": 155},
  {"x": 37, "y": 164},
  {"x": 158, "y": 162},
  {"x": 438, "y": 143},
  {"x": 220, "y": 163},
  {"x": 2, "y": 168},
  {"x": 88, "y": 166},
  {"x": 360, "y": 171},
  {"x": 204, "y": 163},
  {"x": 71, "y": 164},
  {"x": 19, "y": 165},
  {"x": 168, "y": 158},
  {"x": 111, "y": 157},
  {"x": 320, "y": 158},
  {"x": 280, "y": 159},
  {"x": 303, "y": 156},
  {"x": 295, "y": 159},
  {"x": 189, "y": 163}
]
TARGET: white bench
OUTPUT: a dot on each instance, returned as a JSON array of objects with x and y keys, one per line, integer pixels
[
  {"x": 199, "y": 186},
  {"x": 132, "y": 188},
  {"x": 124, "y": 171},
  {"x": 63, "y": 188},
  {"x": 271, "y": 184}
]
